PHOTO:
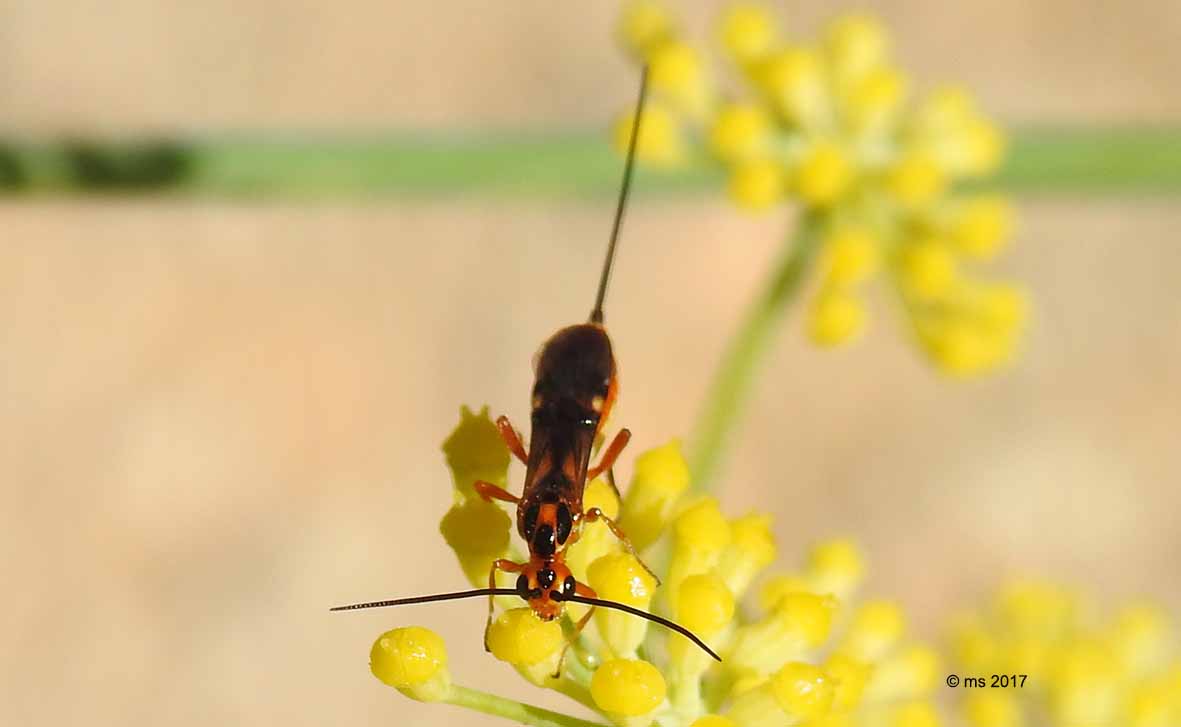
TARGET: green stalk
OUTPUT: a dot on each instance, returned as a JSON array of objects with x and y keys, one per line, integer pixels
[
  {"x": 1043, "y": 160},
  {"x": 527, "y": 714},
  {"x": 735, "y": 376}
]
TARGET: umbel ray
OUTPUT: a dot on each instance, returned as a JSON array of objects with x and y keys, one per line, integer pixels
[{"x": 574, "y": 388}]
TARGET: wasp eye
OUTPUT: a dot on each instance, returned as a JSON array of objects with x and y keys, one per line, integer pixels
[
  {"x": 523, "y": 586},
  {"x": 545, "y": 578},
  {"x": 568, "y": 586}
]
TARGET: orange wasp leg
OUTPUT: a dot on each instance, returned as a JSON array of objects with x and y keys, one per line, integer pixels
[
  {"x": 489, "y": 491},
  {"x": 613, "y": 451},
  {"x": 502, "y": 565},
  {"x": 512, "y": 439},
  {"x": 587, "y": 592},
  {"x": 595, "y": 513}
]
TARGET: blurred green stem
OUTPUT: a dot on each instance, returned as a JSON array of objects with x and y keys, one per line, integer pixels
[
  {"x": 512, "y": 710},
  {"x": 535, "y": 166},
  {"x": 731, "y": 386}
]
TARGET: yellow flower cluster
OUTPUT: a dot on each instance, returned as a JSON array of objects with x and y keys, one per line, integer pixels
[
  {"x": 1122, "y": 670},
  {"x": 830, "y": 125},
  {"x": 799, "y": 650}
]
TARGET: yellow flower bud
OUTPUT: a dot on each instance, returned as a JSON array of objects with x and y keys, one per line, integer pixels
[
  {"x": 982, "y": 226},
  {"x": 803, "y": 691},
  {"x": 596, "y": 539},
  {"x": 992, "y": 708},
  {"x": 856, "y": 44},
  {"x": 660, "y": 477},
  {"x": 876, "y": 628},
  {"x": 627, "y": 687},
  {"x": 661, "y": 140},
  {"x": 945, "y": 108},
  {"x": 798, "y": 693},
  {"x": 478, "y": 532},
  {"x": 777, "y": 587},
  {"x": 620, "y": 577},
  {"x": 475, "y": 451},
  {"x": 972, "y": 645},
  {"x": 909, "y": 673},
  {"x": 644, "y": 25},
  {"x": 1003, "y": 307},
  {"x": 835, "y": 318},
  {"x": 677, "y": 74},
  {"x": 751, "y": 549},
  {"x": 747, "y": 31},
  {"x": 800, "y": 623},
  {"x": 757, "y": 184},
  {"x": 928, "y": 269},
  {"x": 1084, "y": 684},
  {"x": 983, "y": 148},
  {"x": 518, "y": 636},
  {"x": 739, "y": 132},
  {"x": 824, "y": 175},
  {"x": 876, "y": 98},
  {"x": 960, "y": 349},
  {"x": 916, "y": 180},
  {"x": 1036, "y": 608},
  {"x": 701, "y": 533},
  {"x": 414, "y": 661},
  {"x": 835, "y": 566},
  {"x": 705, "y": 605},
  {"x": 794, "y": 80},
  {"x": 851, "y": 255},
  {"x": 848, "y": 677}
]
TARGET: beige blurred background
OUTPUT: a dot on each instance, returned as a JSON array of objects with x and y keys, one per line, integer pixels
[{"x": 221, "y": 418}]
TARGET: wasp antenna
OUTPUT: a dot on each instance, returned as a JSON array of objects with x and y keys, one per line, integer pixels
[
  {"x": 429, "y": 599},
  {"x": 596, "y": 315},
  {"x": 642, "y": 614}
]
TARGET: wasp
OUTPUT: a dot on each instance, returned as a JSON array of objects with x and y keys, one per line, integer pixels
[{"x": 574, "y": 388}]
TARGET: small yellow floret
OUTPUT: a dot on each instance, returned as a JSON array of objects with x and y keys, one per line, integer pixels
[
  {"x": 676, "y": 72},
  {"x": 620, "y": 577},
  {"x": 747, "y": 31},
  {"x": 661, "y": 476},
  {"x": 835, "y": 566},
  {"x": 518, "y": 636},
  {"x": 777, "y": 587},
  {"x": 661, "y": 140},
  {"x": 824, "y": 174},
  {"x": 704, "y": 605},
  {"x": 794, "y": 80},
  {"x": 876, "y": 628},
  {"x": 702, "y": 525},
  {"x": 740, "y": 131},
  {"x": 414, "y": 660},
  {"x": 475, "y": 451},
  {"x": 962, "y": 349},
  {"x": 984, "y": 148},
  {"x": 757, "y": 183},
  {"x": 835, "y": 318},
  {"x": 803, "y": 691},
  {"x": 478, "y": 532},
  {"x": 929, "y": 269},
  {"x": 981, "y": 226},
  {"x": 627, "y": 687},
  {"x": 752, "y": 548},
  {"x": 916, "y": 180},
  {"x": 643, "y": 25},
  {"x": 856, "y": 44},
  {"x": 807, "y": 614},
  {"x": 848, "y": 677},
  {"x": 851, "y": 255}
]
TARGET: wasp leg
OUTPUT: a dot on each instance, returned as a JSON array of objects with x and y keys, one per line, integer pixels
[
  {"x": 595, "y": 513},
  {"x": 502, "y": 565},
  {"x": 588, "y": 592},
  {"x": 489, "y": 491},
  {"x": 613, "y": 451},
  {"x": 512, "y": 439}
]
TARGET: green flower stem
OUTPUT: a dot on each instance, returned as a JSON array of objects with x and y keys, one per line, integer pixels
[
  {"x": 735, "y": 376},
  {"x": 1043, "y": 160},
  {"x": 517, "y": 712}
]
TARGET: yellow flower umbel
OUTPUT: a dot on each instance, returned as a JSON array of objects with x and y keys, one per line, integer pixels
[
  {"x": 1074, "y": 665},
  {"x": 830, "y": 126},
  {"x": 797, "y": 651}
]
